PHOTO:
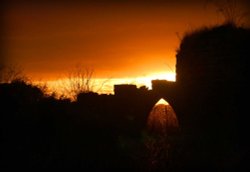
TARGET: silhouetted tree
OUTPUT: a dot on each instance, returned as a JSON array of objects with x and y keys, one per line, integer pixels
[
  {"x": 81, "y": 80},
  {"x": 9, "y": 73}
]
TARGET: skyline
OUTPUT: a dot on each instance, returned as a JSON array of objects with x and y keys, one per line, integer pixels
[{"x": 126, "y": 39}]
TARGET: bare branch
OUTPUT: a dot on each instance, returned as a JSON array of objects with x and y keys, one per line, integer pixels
[
  {"x": 231, "y": 10},
  {"x": 11, "y": 73},
  {"x": 81, "y": 80}
]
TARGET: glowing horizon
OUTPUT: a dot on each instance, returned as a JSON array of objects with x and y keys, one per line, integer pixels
[
  {"x": 105, "y": 85},
  {"x": 135, "y": 42}
]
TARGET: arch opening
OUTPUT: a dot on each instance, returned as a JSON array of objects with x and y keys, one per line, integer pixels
[{"x": 162, "y": 118}]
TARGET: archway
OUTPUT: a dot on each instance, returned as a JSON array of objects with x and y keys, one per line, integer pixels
[
  {"x": 162, "y": 119},
  {"x": 162, "y": 126}
]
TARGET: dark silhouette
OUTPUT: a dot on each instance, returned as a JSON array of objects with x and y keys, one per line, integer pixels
[
  {"x": 212, "y": 81},
  {"x": 109, "y": 132},
  {"x": 96, "y": 132}
]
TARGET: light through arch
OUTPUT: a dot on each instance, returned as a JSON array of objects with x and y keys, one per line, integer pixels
[
  {"x": 162, "y": 101},
  {"x": 162, "y": 118}
]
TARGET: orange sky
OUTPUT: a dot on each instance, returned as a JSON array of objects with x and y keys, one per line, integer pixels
[{"x": 125, "y": 39}]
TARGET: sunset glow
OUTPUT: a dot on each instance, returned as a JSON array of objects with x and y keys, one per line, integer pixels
[
  {"x": 142, "y": 85},
  {"x": 105, "y": 85},
  {"x": 124, "y": 42},
  {"x": 129, "y": 42}
]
